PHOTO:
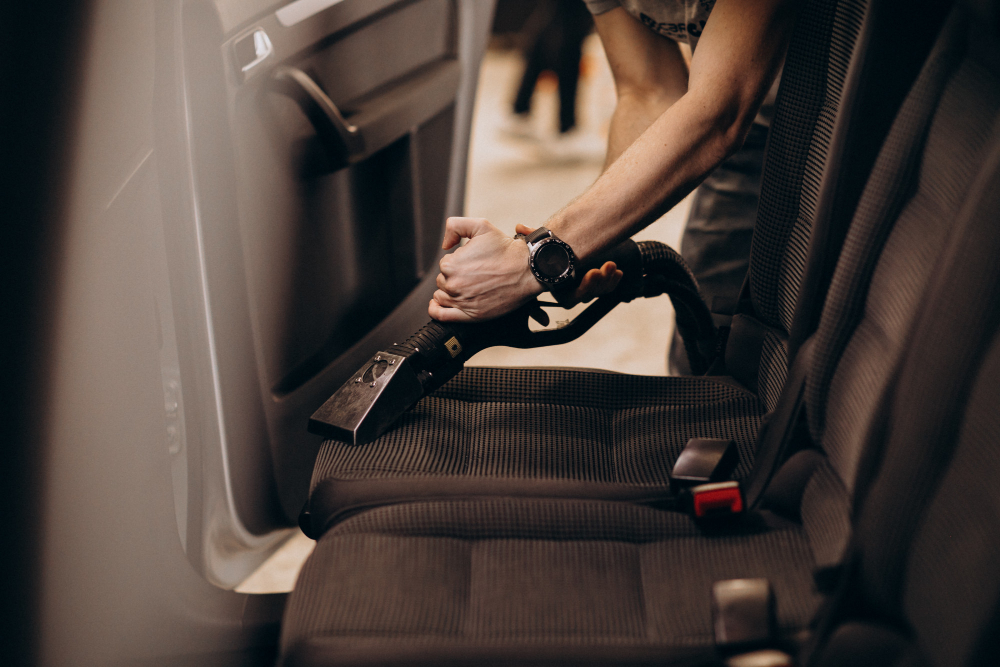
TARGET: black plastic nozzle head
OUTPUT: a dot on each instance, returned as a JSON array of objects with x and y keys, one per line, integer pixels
[{"x": 370, "y": 402}]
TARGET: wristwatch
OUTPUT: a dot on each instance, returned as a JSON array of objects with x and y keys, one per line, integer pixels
[{"x": 552, "y": 262}]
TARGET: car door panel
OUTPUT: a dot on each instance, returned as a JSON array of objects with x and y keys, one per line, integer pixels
[
  {"x": 297, "y": 254},
  {"x": 207, "y": 276},
  {"x": 329, "y": 251}
]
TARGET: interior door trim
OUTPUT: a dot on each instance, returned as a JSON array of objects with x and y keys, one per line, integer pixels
[{"x": 300, "y": 10}]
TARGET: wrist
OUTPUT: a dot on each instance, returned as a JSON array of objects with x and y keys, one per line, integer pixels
[
  {"x": 530, "y": 286},
  {"x": 571, "y": 234},
  {"x": 527, "y": 285}
]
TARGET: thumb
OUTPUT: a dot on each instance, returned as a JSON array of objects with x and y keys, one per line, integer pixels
[
  {"x": 456, "y": 229},
  {"x": 523, "y": 229}
]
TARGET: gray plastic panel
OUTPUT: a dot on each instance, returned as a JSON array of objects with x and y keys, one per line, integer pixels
[{"x": 399, "y": 42}]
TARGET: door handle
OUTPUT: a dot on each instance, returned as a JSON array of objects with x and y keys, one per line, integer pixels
[{"x": 344, "y": 140}]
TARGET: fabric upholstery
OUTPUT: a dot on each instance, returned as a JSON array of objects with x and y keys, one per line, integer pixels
[
  {"x": 540, "y": 576},
  {"x": 537, "y": 572},
  {"x": 925, "y": 544},
  {"x": 873, "y": 299},
  {"x": 952, "y": 585},
  {"x": 807, "y": 103},
  {"x": 550, "y": 423}
]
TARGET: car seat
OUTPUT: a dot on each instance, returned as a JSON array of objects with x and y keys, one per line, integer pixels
[
  {"x": 569, "y": 433},
  {"x": 561, "y": 581}
]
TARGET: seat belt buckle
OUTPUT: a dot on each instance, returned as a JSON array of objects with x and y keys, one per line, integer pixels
[
  {"x": 718, "y": 500},
  {"x": 742, "y": 614},
  {"x": 744, "y": 623}
]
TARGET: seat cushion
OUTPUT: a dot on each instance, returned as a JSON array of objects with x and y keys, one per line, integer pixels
[
  {"x": 531, "y": 575},
  {"x": 548, "y": 432}
]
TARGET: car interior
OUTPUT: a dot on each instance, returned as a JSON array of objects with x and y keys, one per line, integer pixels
[{"x": 220, "y": 210}]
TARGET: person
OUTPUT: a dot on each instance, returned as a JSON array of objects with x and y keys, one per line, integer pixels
[
  {"x": 673, "y": 125},
  {"x": 555, "y": 45}
]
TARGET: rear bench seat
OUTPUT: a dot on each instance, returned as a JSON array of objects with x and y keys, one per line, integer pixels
[{"x": 559, "y": 581}]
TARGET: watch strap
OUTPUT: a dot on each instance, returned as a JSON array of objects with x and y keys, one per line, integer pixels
[{"x": 538, "y": 235}]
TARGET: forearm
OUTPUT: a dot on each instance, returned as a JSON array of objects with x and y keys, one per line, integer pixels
[
  {"x": 633, "y": 115},
  {"x": 675, "y": 153},
  {"x": 737, "y": 58}
]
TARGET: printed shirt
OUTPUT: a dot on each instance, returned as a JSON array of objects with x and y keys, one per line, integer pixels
[{"x": 680, "y": 20}]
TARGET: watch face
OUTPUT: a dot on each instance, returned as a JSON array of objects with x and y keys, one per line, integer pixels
[{"x": 552, "y": 260}]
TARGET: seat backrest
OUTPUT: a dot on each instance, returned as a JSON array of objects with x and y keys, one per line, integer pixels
[
  {"x": 848, "y": 69},
  {"x": 893, "y": 45},
  {"x": 951, "y": 585},
  {"x": 905, "y": 217},
  {"x": 819, "y": 54},
  {"x": 926, "y": 539}
]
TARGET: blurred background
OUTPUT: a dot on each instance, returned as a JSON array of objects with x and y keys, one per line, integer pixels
[{"x": 523, "y": 168}]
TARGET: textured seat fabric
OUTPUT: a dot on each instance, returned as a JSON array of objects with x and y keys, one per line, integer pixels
[
  {"x": 508, "y": 572},
  {"x": 612, "y": 434},
  {"x": 554, "y": 423},
  {"x": 916, "y": 191},
  {"x": 951, "y": 593},
  {"x": 805, "y": 114},
  {"x": 924, "y": 554},
  {"x": 464, "y": 433}
]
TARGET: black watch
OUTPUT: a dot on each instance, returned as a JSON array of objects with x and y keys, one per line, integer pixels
[
  {"x": 551, "y": 259},
  {"x": 553, "y": 263}
]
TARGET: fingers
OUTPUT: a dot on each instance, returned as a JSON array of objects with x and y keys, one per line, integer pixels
[
  {"x": 612, "y": 275},
  {"x": 597, "y": 282},
  {"x": 444, "y": 299},
  {"x": 523, "y": 229},
  {"x": 483, "y": 279},
  {"x": 456, "y": 229},
  {"x": 443, "y": 314},
  {"x": 586, "y": 290}
]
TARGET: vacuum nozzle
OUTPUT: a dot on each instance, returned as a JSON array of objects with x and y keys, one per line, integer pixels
[{"x": 368, "y": 404}]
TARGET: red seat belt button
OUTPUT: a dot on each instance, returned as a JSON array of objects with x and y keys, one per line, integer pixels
[{"x": 719, "y": 499}]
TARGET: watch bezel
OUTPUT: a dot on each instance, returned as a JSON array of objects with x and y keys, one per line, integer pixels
[{"x": 565, "y": 276}]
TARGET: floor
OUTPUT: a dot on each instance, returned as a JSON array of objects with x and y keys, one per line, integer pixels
[{"x": 511, "y": 180}]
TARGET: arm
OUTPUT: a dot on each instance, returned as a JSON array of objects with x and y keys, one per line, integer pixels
[
  {"x": 737, "y": 58},
  {"x": 649, "y": 72}
]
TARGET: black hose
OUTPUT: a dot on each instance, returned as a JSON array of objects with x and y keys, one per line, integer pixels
[
  {"x": 437, "y": 351},
  {"x": 665, "y": 271}
]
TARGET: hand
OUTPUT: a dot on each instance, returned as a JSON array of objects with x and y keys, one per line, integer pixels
[{"x": 484, "y": 279}]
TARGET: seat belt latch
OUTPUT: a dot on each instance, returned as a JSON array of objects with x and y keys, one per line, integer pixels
[
  {"x": 742, "y": 614},
  {"x": 717, "y": 500},
  {"x": 762, "y": 658}
]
